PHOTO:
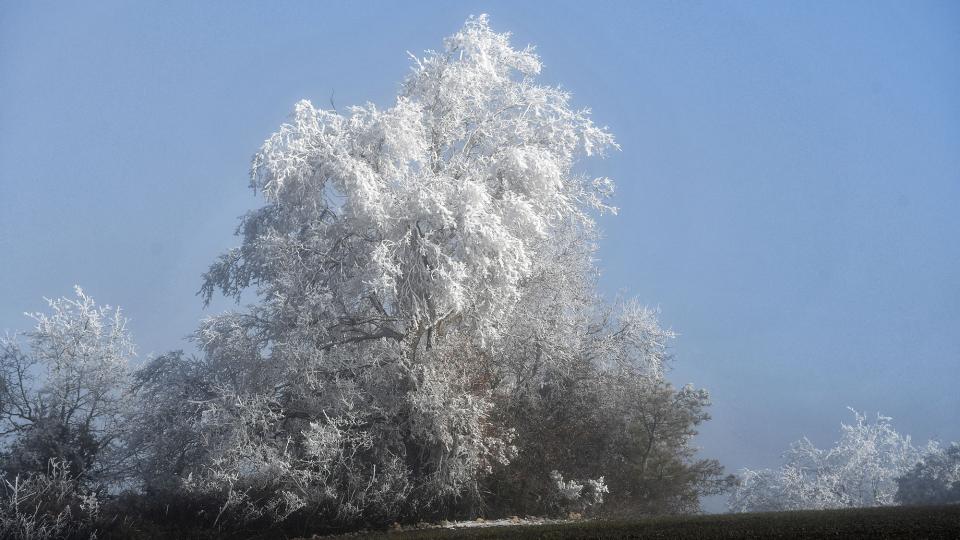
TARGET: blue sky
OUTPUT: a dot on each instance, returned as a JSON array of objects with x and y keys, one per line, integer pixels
[{"x": 788, "y": 182}]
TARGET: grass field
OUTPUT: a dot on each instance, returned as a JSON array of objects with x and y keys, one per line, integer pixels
[{"x": 927, "y": 522}]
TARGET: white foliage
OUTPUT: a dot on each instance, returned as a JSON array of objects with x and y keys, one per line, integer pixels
[
  {"x": 47, "y": 505},
  {"x": 390, "y": 257},
  {"x": 859, "y": 471},
  {"x": 421, "y": 271},
  {"x": 935, "y": 479},
  {"x": 430, "y": 209},
  {"x": 68, "y": 385},
  {"x": 573, "y": 495}
]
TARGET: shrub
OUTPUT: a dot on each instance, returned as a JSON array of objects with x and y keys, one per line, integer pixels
[
  {"x": 47, "y": 505},
  {"x": 934, "y": 480}
]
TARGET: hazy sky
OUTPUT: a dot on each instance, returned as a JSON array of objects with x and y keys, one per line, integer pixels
[{"x": 789, "y": 180}]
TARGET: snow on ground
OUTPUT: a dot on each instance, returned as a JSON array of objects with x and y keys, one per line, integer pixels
[{"x": 479, "y": 522}]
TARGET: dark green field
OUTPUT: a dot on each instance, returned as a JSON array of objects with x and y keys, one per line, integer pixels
[{"x": 892, "y": 522}]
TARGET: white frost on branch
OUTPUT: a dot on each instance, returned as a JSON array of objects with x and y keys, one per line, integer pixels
[
  {"x": 859, "y": 471},
  {"x": 398, "y": 220},
  {"x": 415, "y": 267},
  {"x": 63, "y": 392}
]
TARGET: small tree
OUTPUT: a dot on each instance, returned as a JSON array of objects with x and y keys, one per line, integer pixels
[
  {"x": 62, "y": 398},
  {"x": 934, "y": 480},
  {"x": 164, "y": 425},
  {"x": 582, "y": 385},
  {"x": 652, "y": 462},
  {"x": 62, "y": 394}
]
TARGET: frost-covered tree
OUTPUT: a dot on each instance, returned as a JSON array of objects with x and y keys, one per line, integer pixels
[
  {"x": 63, "y": 389},
  {"x": 592, "y": 419},
  {"x": 395, "y": 224},
  {"x": 392, "y": 248},
  {"x": 934, "y": 480},
  {"x": 164, "y": 429},
  {"x": 425, "y": 291},
  {"x": 859, "y": 471}
]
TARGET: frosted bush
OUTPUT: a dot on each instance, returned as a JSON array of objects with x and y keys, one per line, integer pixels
[
  {"x": 577, "y": 496},
  {"x": 49, "y": 505}
]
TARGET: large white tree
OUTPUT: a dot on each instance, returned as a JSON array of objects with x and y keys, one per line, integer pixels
[
  {"x": 393, "y": 223},
  {"x": 426, "y": 297},
  {"x": 389, "y": 258}
]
